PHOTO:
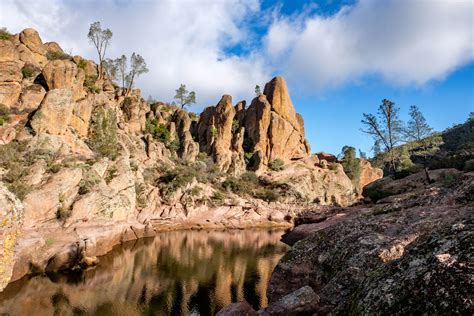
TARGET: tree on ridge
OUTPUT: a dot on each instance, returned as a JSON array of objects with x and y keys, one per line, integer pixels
[{"x": 100, "y": 39}]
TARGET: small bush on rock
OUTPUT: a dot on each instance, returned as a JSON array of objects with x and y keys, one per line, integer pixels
[
  {"x": 103, "y": 133},
  {"x": 27, "y": 72},
  {"x": 57, "y": 56},
  {"x": 4, "y": 113},
  {"x": 276, "y": 164},
  {"x": 4, "y": 34}
]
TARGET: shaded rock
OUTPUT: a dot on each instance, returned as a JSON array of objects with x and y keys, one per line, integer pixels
[
  {"x": 237, "y": 309},
  {"x": 11, "y": 219},
  {"x": 189, "y": 149},
  {"x": 301, "y": 301},
  {"x": 9, "y": 93},
  {"x": 374, "y": 261},
  {"x": 54, "y": 114}
]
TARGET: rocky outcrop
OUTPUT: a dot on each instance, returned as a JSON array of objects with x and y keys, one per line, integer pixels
[
  {"x": 394, "y": 257},
  {"x": 368, "y": 174},
  {"x": 273, "y": 127},
  {"x": 221, "y": 136},
  {"x": 60, "y": 74},
  {"x": 55, "y": 112},
  {"x": 11, "y": 222},
  {"x": 95, "y": 166}
]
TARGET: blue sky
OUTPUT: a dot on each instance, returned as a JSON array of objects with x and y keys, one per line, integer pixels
[{"x": 340, "y": 58}]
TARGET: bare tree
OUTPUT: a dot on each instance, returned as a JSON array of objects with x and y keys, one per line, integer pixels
[
  {"x": 100, "y": 38},
  {"x": 137, "y": 67},
  {"x": 184, "y": 97},
  {"x": 385, "y": 128},
  {"x": 418, "y": 130}
]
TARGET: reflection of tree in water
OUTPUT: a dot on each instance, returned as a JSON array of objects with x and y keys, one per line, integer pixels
[{"x": 177, "y": 273}]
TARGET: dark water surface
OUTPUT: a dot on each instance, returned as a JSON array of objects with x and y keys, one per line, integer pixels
[{"x": 176, "y": 273}]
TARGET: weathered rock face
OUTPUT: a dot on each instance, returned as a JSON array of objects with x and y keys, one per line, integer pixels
[
  {"x": 9, "y": 93},
  {"x": 11, "y": 219},
  {"x": 10, "y": 71},
  {"x": 31, "y": 39},
  {"x": 368, "y": 174},
  {"x": 54, "y": 113},
  {"x": 31, "y": 97},
  {"x": 273, "y": 126},
  {"x": 220, "y": 135},
  {"x": 60, "y": 74},
  {"x": 372, "y": 260},
  {"x": 8, "y": 52}
]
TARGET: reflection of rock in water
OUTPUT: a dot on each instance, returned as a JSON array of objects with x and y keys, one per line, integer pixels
[{"x": 175, "y": 273}]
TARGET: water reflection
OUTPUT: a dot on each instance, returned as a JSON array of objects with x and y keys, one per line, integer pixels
[{"x": 176, "y": 273}]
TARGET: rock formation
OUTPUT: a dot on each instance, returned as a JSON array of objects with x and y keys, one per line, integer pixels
[{"x": 94, "y": 167}]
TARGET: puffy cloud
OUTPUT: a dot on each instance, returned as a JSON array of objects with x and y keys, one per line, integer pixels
[
  {"x": 406, "y": 42},
  {"x": 181, "y": 41}
]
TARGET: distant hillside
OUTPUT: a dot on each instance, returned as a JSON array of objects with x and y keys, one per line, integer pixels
[{"x": 451, "y": 148}]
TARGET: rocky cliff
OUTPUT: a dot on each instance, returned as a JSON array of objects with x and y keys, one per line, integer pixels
[
  {"x": 87, "y": 165},
  {"x": 410, "y": 253}
]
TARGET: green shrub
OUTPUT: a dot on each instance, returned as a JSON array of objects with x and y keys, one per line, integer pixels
[
  {"x": 4, "y": 34},
  {"x": 14, "y": 159},
  {"x": 376, "y": 193},
  {"x": 89, "y": 83},
  {"x": 27, "y": 72},
  {"x": 103, "y": 133},
  {"x": 213, "y": 132},
  {"x": 63, "y": 212},
  {"x": 249, "y": 184},
  {"x": 469, "y": 165},
  {"x": 276, "y": 164},
  {"x": 175, "y": 144},
  {"x": 88, "y": 182},
  {"x": 235, "y": 126},
  {"x": 82, "y": 64},
  {"x": 449, "y": 180},
  {"x": 111, "y": 174},
  {"x": 218, "y": 197},
  {"x": 4, "y": 114},
  {"x": 57, "y": 56},
  {"x": 140, "y": 190}
]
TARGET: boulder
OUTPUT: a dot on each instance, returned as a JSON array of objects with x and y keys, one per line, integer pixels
[
  {"x": 189, "y": 149},
  {"x": 54, "y": 115},
  {"x": 301, "y": 302},
  {"x": 368, "y": 174},
  {"x": 11, "y": 219},
  {"x": 82, "y": 112},
  {"x": 8, "y": 51},
  {"x": 10, "y": 71},
  {"x": 53, "y": 47},
  {"x": 237, "y": 309},
  {"x": 9, "y": 93},
  {"x": 60, "y": 74},
  {"x": 31, "y": 97},
  {"x": 31, "y": 39}
]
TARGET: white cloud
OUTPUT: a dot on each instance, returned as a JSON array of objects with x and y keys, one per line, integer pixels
[
  {"x": 181, "y": 41},
  {"x": 407, "y": 42}
]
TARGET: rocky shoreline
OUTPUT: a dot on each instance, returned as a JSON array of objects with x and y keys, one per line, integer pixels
[{"x": 411, "y": 252}]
